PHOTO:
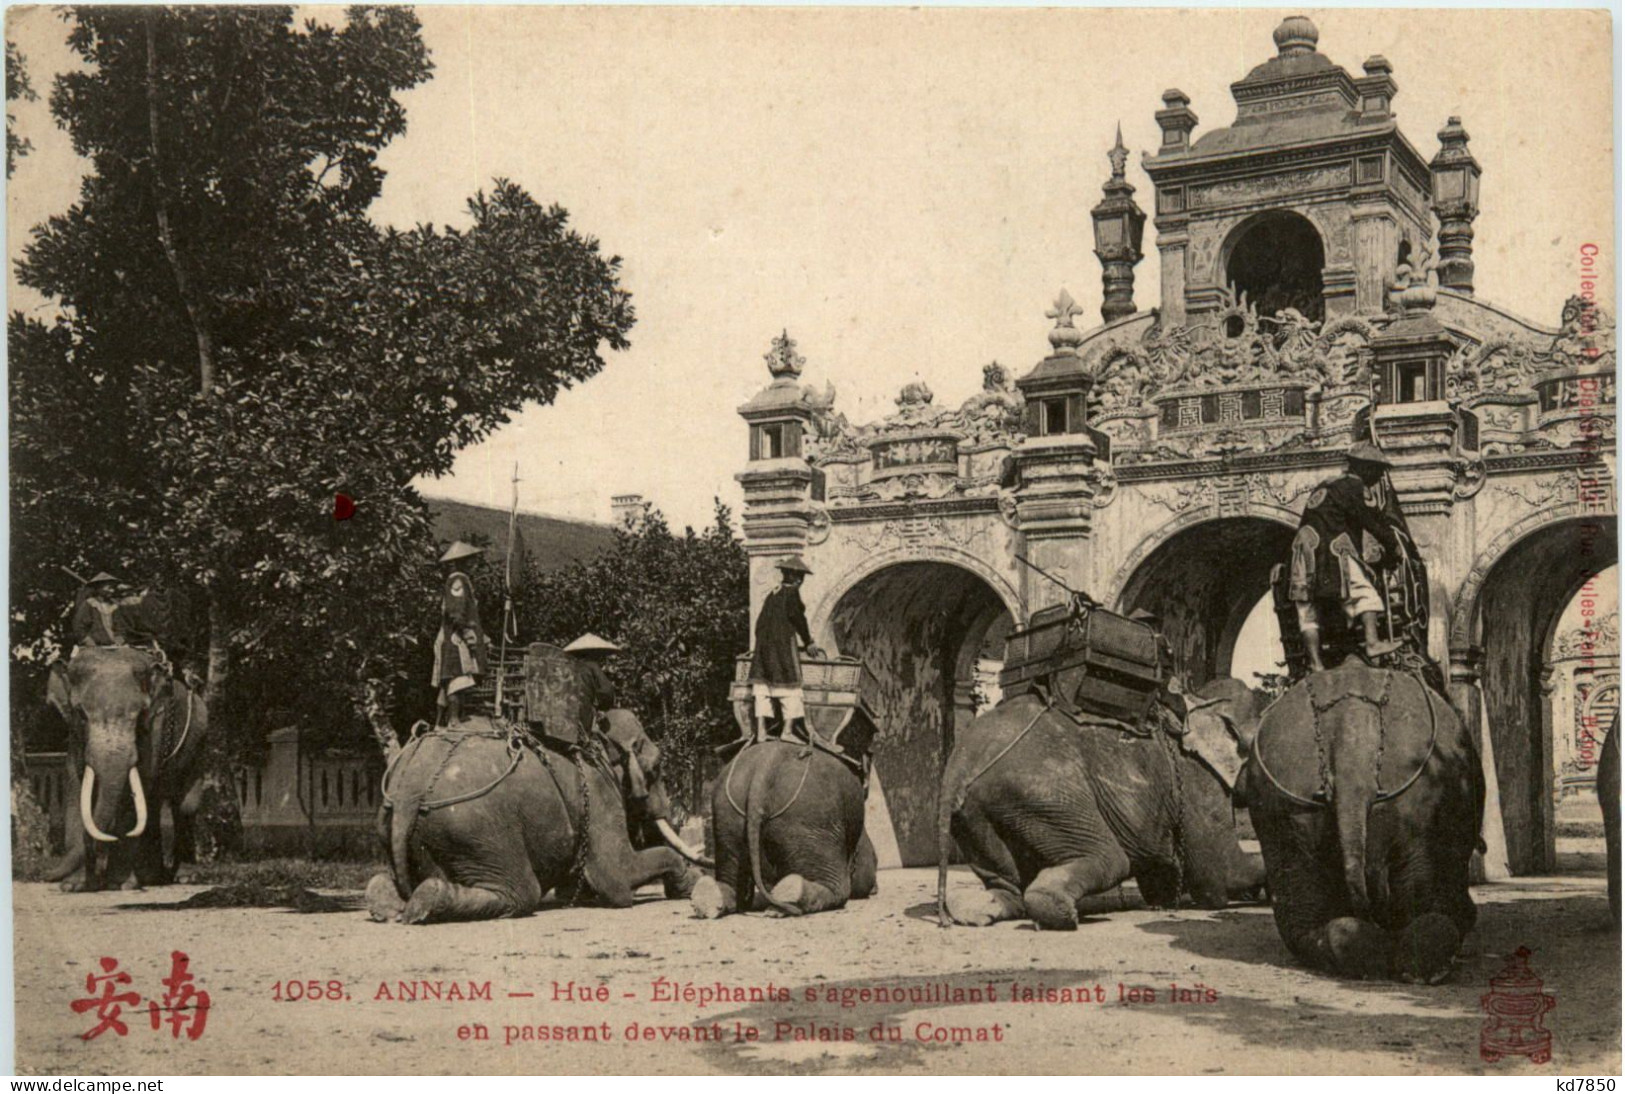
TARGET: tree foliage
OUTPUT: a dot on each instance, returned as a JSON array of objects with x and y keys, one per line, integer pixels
[
  {"x": 238, "y": 342},
  {"x": 679, "y": 606},
  {"x": 17, "y": 87}
]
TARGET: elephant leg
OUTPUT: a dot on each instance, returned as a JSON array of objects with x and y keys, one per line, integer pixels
[
  {"x": 1309, "y": 915},
  {"x": 864, "y": 867},
  {"x": 437, "y": 900},
  {"x": 1052, "y": 899},
  {"x": 723, "y": 894},
  {"x": 811, "y": 896},
  {"x": 1426, "y": 938},
  {"x": 991, "y": 861},
  {"x": 149, "y": 850},
  {"x": 713, "y": 900},
  {"x": 384, "y": 904},
  {"x": 615, "y": 874}
]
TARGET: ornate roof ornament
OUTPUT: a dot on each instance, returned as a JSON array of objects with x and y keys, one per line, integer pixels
[
  {"x": 782, "y": 360},
  {"x": 1118, "y": 156},
  {"x": 1066, "y": 337},
  {"x": 1296, "y": 34},
  {"x": 1416, "y": 285}
]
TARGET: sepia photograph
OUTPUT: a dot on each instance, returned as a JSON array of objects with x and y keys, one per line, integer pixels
[{"x": 554, "y": 540}]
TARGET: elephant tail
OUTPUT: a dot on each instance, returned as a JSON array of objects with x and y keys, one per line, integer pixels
[
  {"x": 1352, "y": 796},
  {"x": 755, "y": 808}
]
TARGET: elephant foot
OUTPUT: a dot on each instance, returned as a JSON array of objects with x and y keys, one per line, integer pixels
[
  {"x": 787, "y": 896},
  {"x": 681, "y": 887},
  {"x": 74, "y": 885},
  {"x": 709, "y": 900},
  {"x": 132, "y": 884},
  {"x": 427, "y": 899},
  {"x": 1424, "y": 949},
  {"x": 1359, "y": 949},
  {"x": 1051, "y": 911},
  {"x": 383, "y": 902},
  {"x": 982, "y": 907}
]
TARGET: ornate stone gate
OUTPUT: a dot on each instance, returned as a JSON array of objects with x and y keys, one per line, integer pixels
[{"x": 1161, "y": 460}]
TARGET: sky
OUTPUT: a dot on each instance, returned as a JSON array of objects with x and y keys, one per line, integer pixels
[{"x": 904, "y": 191}]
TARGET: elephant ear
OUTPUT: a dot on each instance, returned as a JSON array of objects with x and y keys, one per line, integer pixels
[
  {"x": 1221, "y": 721},
  {"x": 56, "y": 690}
]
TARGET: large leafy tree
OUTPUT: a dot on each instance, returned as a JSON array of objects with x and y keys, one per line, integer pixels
[
  {"x": 679, "y": 606},
  {"x": 238, "y": 342}
]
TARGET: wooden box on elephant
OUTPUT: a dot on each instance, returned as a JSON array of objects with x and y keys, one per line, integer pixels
[
  {"x": 556, "y": 698},
  {"x": 840, "y": 694},
  {"x": 1101, "y": 662}
]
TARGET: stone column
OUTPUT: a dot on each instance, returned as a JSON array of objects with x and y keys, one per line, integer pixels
[{"x": 1466, "y": 664}]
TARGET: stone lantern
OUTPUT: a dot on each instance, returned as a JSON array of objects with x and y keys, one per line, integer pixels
[
  {"x": 1119, "y": 231},
  {"x": 1455, "y": 202}
]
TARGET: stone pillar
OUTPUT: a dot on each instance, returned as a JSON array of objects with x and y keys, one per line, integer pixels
[
  {"x": 1466, "y": 664},
  {"x": 1119, "y": 227},
  {"x": 1376, "y": 250},
  {"x": 1455, "y": 202},
  {"x": 778, "y": 483},
  {"x": 1055, "y": 469}
]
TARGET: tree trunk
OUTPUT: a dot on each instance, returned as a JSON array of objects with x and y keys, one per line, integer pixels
[
  {"x": 219, "y": 825},
  {"x": 166, "y": 235},
  {"x": 374, "y": 703}
]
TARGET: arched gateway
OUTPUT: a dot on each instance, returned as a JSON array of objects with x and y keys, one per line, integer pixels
[{"x": 1162, "y": 460}]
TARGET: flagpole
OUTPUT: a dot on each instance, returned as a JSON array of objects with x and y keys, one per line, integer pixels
[{"x": 507, "y": 592}]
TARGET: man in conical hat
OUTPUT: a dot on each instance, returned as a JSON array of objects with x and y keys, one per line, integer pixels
[
  {"x": 775, "y": 667},
  {"x": 1343, "y": 538},
  {"x": 461, "y": 653},
  {"x": 93, "y": 608},
  {"x": 592, "y": 651}
]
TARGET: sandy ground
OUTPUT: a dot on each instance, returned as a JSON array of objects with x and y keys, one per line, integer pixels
[{"x": 1265, "y": 1016}]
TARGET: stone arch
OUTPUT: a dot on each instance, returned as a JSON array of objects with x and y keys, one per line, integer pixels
[
  {"x": 819, "y": 618},
  {"x": 919, "y": 618},
  {"x": 1203, "y": 573},
  {"x": 1277, "y": 258},
  {"x": 1510, "y": 605}
]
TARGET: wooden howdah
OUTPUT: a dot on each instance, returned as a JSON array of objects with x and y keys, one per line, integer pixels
[
  {"x": 556, "y": 700},
  {"x": 1099, "y": 661},
  {"x": 840, "y": 693}
]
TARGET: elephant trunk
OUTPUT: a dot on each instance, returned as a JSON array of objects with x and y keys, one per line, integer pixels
[{"x": 755, "y": 808}]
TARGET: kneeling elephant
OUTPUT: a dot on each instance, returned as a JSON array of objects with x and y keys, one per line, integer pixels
[
  {"x": 1367, "y": 793},
  {"x": 1049, "y": 812},
  {"x": 482, "y": 821},
  {"x": 788, "y": 822}
]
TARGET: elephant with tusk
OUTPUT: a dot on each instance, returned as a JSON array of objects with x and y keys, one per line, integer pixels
[
  {"x": 1049, "y": 812},
  {"x": 135, "y": 742},
  {"x": 482, "y": 821}
]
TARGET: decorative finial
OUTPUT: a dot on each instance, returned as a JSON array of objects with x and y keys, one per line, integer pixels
[
  {"x": 1065, "y": 337},
  {"x": 1415, "y": 285},
  {"x": 1296, "y": 34},
  {"x": 782, "y": 360},
  {"x": 1118, "y": 155}
]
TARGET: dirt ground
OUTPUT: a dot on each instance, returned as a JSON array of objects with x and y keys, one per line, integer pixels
[{"x": 1262, "y": 1016}]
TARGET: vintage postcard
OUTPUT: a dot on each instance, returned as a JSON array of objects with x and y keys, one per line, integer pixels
[{"x": 812, "y": 541}]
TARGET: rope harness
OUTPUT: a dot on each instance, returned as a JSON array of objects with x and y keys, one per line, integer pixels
[
  {"x": 804, "y": 755},
  {"x": 1317, "y": 707},
  {"x": 1172, "y": 750},
  {"x": 520, "y": 742}
]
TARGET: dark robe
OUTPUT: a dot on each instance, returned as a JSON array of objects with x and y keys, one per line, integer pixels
[
  {"x": 781, "y": 629},
  {"x": 598, "y": 685},
  {"x": 94, "y": 622},
  {"x": 1335, "y": 522},
  {"x": 460, "y": 649}
]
